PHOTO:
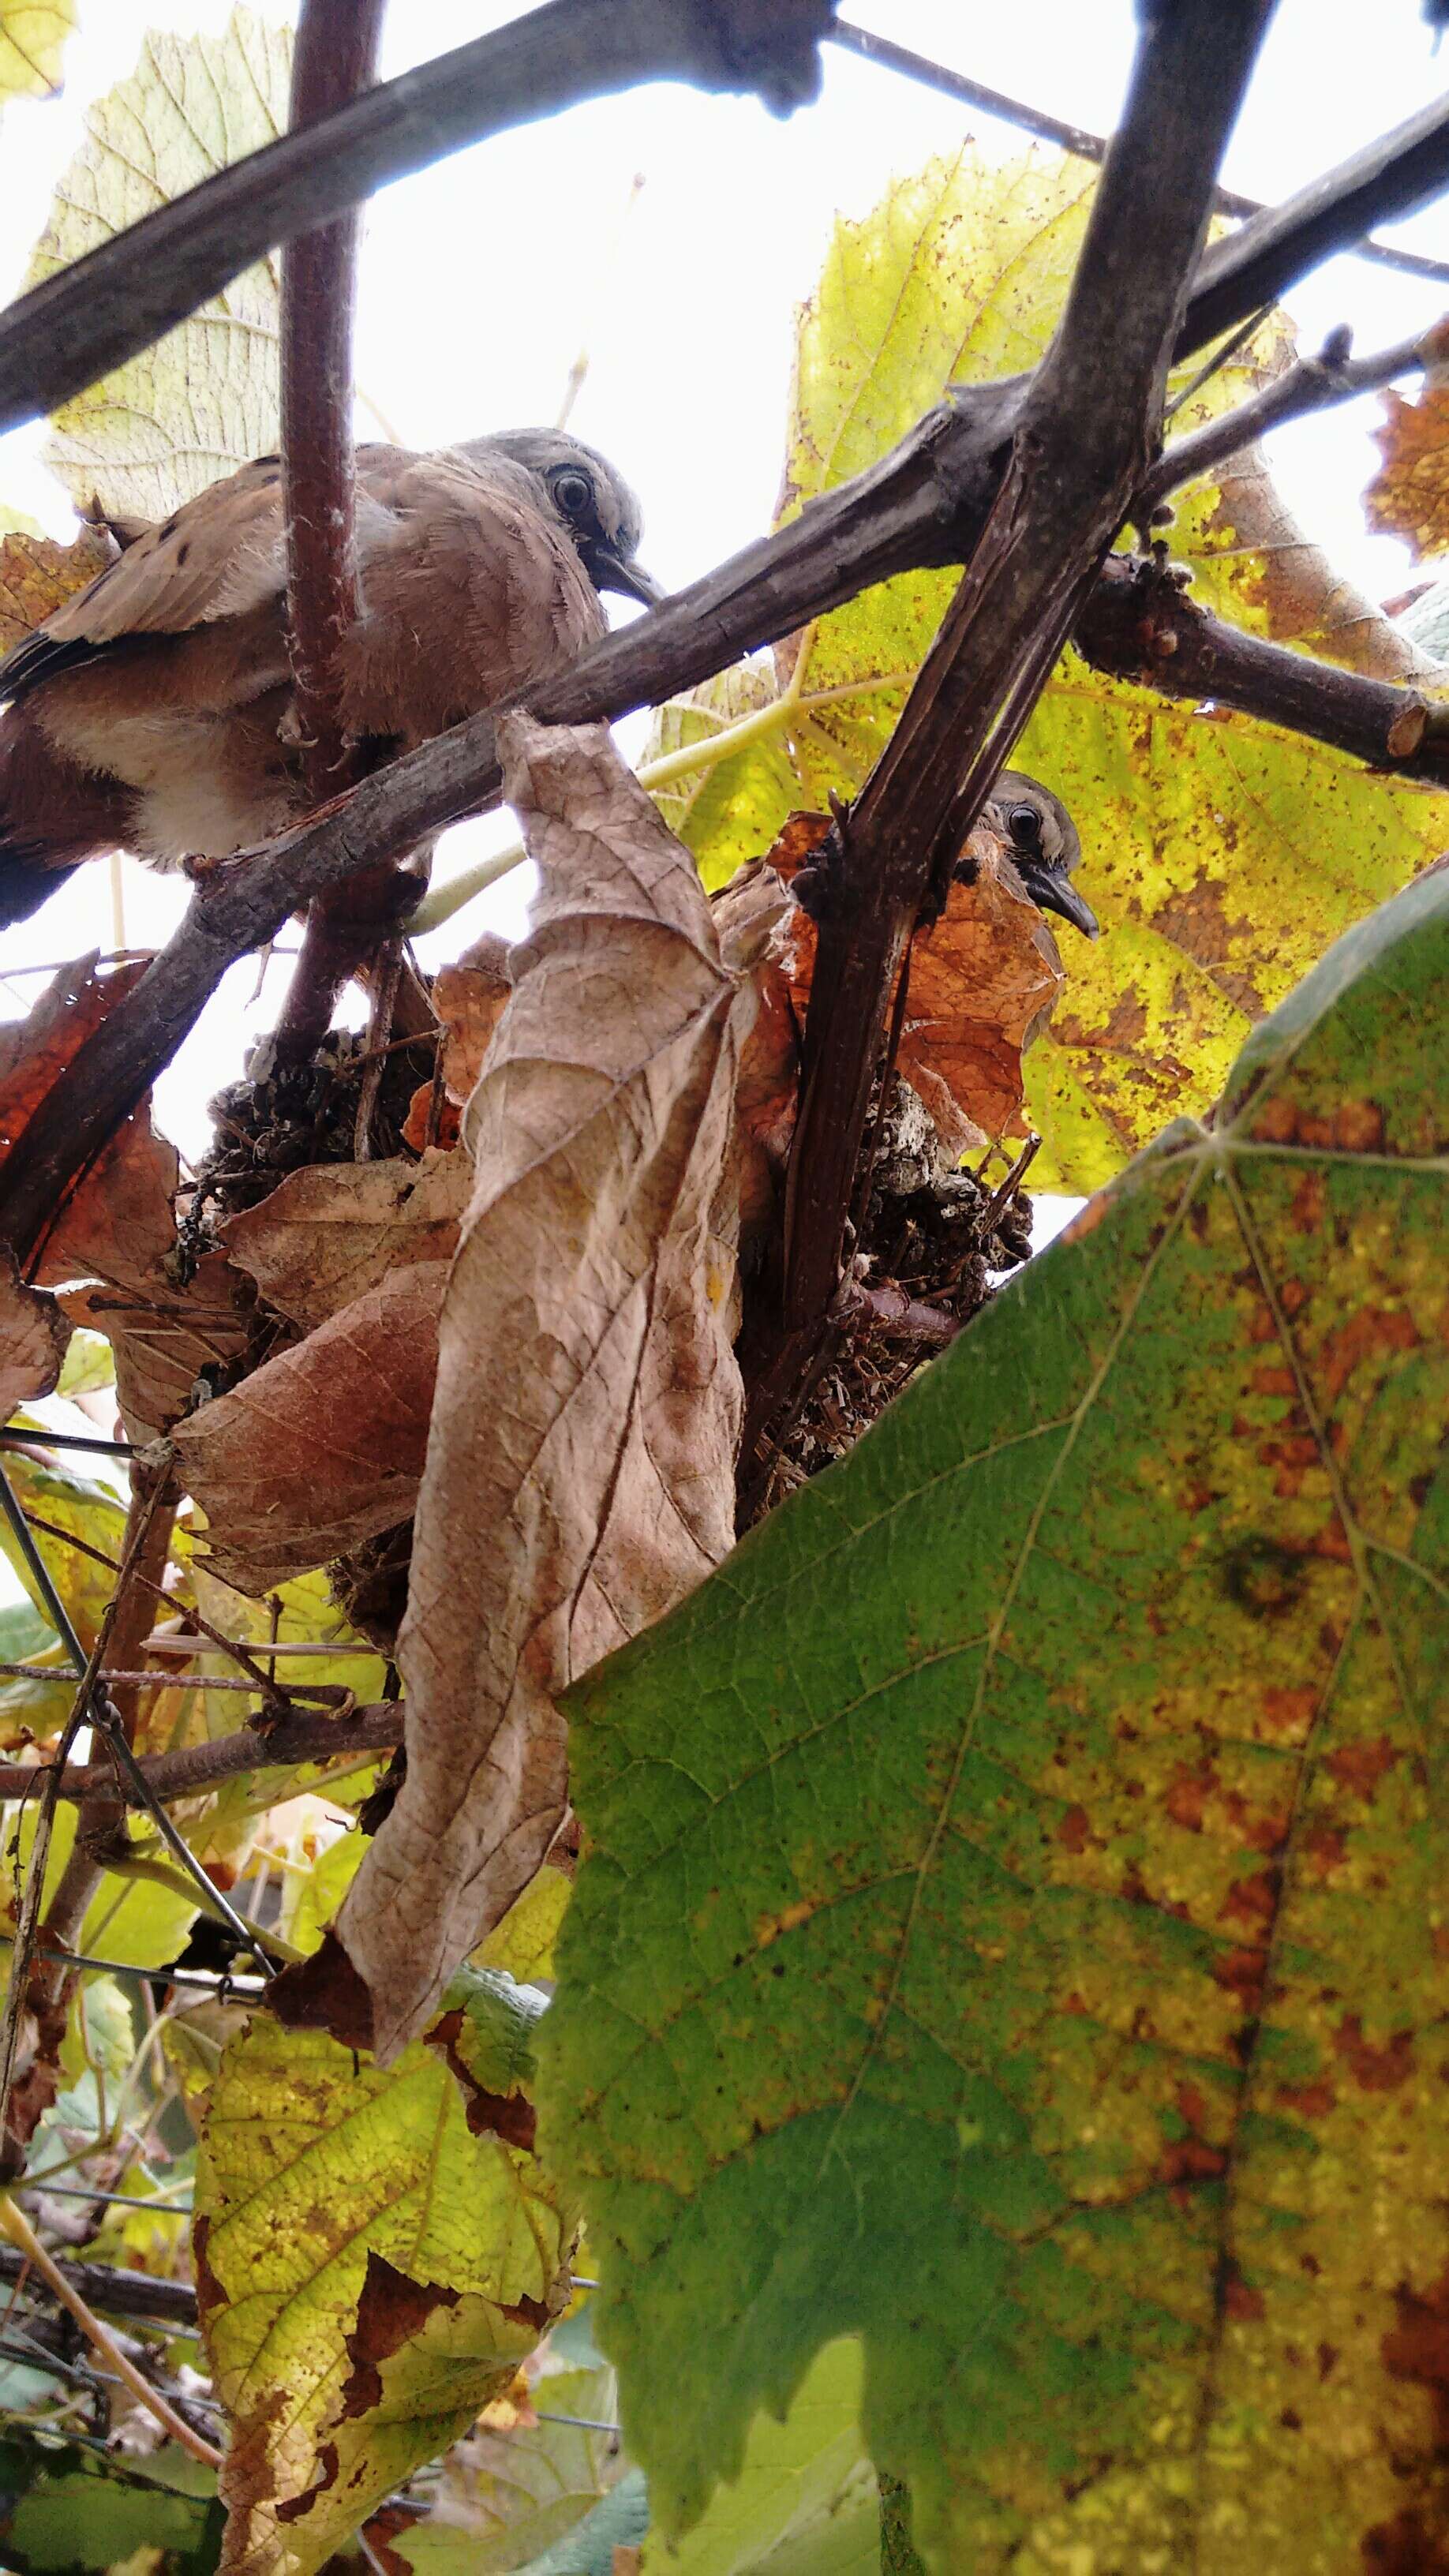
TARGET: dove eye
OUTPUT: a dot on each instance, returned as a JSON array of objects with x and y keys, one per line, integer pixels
[
  {"x": 574, "y": 494},
  {"x": 1024, "y": 824}
]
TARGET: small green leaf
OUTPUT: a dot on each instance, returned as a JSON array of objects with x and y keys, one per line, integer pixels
[
  {"x": 805, "y": 2502},
  {"x": 1010, "y": 1925},
  {"x": 88, "y": 1366}
]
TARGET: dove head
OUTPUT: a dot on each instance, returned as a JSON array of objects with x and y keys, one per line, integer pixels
[
  {"x": 1042, "y": 845},
  {"x": 594, "y": 502}
]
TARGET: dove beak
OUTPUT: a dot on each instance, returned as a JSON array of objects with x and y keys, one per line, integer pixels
[
  {"x": 1052, "y": 890},
  {"x": 609, "y": 570}
]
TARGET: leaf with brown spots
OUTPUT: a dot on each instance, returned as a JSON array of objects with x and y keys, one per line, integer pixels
[
  {"x": 331, "y": 1232},
  {"x": 1220, "y": 854},
  {"x": 372, "y": 2266},
  {"x": 1047, "y": 1805}
]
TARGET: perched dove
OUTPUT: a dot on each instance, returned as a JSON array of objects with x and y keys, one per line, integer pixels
[{"x": 154, "y": 711}]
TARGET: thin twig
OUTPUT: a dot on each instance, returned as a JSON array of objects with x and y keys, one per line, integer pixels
[
  {"x": 1313, "y": 384},
  {"x": 42, "y": 1438},
  {"x": 17, "y": 2227},
  {"x": 299, "y": 1738},
  {"x": 266, "y": 1684},
  {"x": 211, "y": 1896},
  {"x": 1076, "y": 138}
]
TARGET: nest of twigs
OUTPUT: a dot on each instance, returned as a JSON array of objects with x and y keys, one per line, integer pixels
[{"x": 942, "y": 1237}]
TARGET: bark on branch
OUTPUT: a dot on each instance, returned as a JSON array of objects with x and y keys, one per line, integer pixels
[
  {"x": 1089, "y": 425},
  {"x": 297, "y": 1738}
]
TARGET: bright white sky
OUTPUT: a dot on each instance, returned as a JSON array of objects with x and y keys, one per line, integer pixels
[{"x": 483, "y": 277}]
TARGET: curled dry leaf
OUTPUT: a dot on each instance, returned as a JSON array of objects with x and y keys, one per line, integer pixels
[
  {"x": 322, "y": 1446},
  {"x": 335, "y": 1230},
  {"x": 580, "y": 1462},
  {"x": 1277, "y": 572},
  {"x": 33, "y": 1336}
]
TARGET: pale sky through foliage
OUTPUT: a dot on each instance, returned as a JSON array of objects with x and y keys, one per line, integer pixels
[{"x": 483, "y": 278}]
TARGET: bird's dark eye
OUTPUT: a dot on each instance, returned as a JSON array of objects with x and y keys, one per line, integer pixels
[
  {"x": 574, "y": 494},
  {"x": 1024, "y": 824}
]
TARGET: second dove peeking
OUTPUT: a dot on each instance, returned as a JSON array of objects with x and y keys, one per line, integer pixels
[{"x": 153, "y": 712}]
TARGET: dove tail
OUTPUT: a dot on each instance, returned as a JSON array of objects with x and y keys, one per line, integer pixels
[{"x": 52, "y": 816}]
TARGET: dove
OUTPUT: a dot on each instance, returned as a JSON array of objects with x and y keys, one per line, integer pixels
[{"x": 154, "y": 711}]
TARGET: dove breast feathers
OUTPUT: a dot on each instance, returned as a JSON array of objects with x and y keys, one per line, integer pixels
[{"x": 169, "y": 674}]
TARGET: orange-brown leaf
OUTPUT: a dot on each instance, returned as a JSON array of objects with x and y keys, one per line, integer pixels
[
  {"x": 36, "y": 575},
  {"x": 984, "y": 981},
  {"x": 1409, "y": 495}
]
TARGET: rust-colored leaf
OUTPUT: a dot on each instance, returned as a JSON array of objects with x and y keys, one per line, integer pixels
[
  {"x": 984, "y": 981},
  {"x": 468, "y": 998},
  {"x": 335, "y": 1230},
  {"x": 1409, "y": 495},
  {"x": 36, "y": 575},
  {"x": 322, "y": 1446},
  {"x": 579, "y": 1474}
]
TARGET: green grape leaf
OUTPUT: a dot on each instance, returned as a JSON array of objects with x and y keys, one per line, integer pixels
[
  {"x": 376, "y": 2253},
  {"x": 1012, "y": 1928},
  {"x": 63, "y": 2511},
  {"x": 1220, "y": 854},
  {"x": 32, "y": 39},
  {"x": 204, "y": 399},
  {"x": 510, "y": 2494}
]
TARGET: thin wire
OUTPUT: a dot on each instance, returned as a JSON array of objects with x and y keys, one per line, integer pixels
[
  {"x": 208, "y": 1981},
  {"x": 112, "y": 2199},
  {"x": 106, "y": 1719},
  {"x": 40, "y": 1438}
]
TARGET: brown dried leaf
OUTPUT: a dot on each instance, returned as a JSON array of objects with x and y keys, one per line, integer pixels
[
  {"x": 36, "y": 575},
  {"x": 1409, "y": 495},
  {"x": 580, "y": 1461},
  {"x": 323, "y": 1446},
  {"x": 33, "y": 1336},
  {"x": 335, "y": 1230},
  {"x": 163, "y": 1338}
]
